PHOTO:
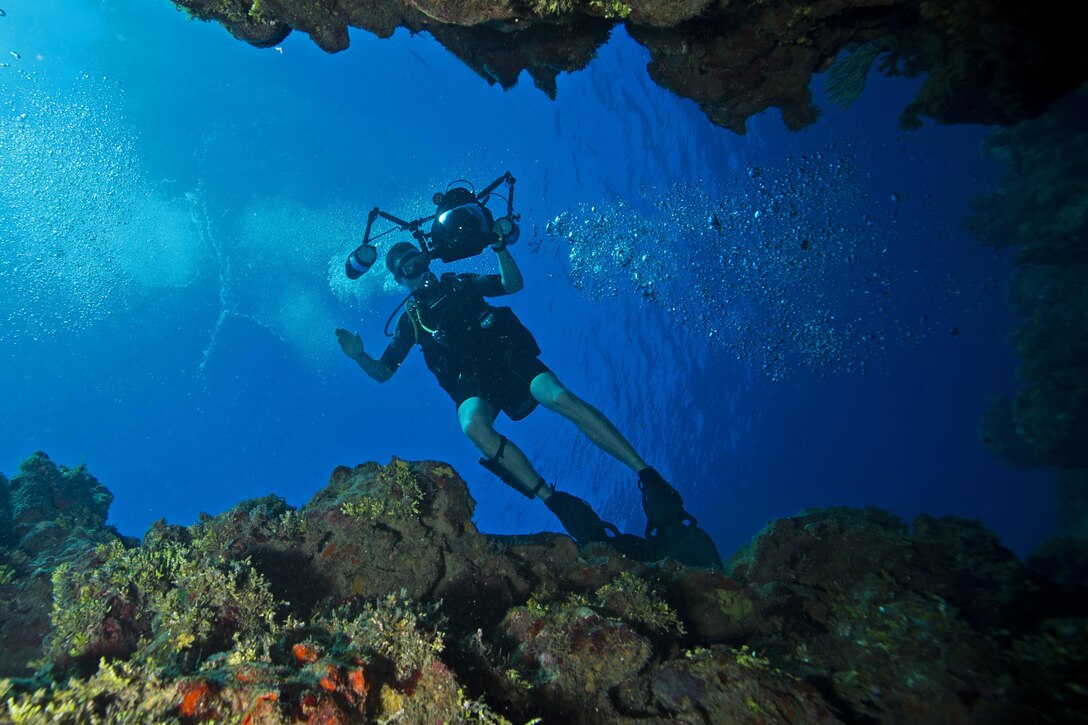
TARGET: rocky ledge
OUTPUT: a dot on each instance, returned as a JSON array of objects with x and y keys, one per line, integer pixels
[
  {"x": 985, "y": 62},
  {"x": 380, "y": 600}
]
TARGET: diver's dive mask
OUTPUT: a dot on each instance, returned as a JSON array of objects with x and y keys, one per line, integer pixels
[{"x": 412, "y": 265}]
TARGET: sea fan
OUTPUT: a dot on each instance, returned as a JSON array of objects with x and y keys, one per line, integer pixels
[{"x": 846, "y": 77}]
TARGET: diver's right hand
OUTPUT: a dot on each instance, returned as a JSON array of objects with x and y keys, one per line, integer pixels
[{"x": 350, "y": 343}]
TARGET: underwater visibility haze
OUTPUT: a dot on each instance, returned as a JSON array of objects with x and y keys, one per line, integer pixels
[{"x": 777, "y": 320}]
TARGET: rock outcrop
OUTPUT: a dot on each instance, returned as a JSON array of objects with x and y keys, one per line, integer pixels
[
  {"x": 1040, "y": 213},
  {"x": 380, "y": 600},
  {"x": 985, "y": 62},
  {"x": 48, "y": 516}
]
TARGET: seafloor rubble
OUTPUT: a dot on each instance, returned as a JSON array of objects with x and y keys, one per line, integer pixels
[
  {"x": 985, "y": 62},
  {"x": 380, "y": 601}
]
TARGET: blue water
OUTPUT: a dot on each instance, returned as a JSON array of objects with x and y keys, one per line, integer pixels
[{"x": 175, "y": 208}]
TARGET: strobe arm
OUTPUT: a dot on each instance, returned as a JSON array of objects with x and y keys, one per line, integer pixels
[
  {"x": 509, "y": 180},
  {"x": 414, "y": 226},
  {"x": 370, "y": 217},
  {"x": 366, "y": 254}
]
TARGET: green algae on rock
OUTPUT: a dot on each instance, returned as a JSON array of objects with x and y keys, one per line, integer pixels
[{"x": 268, "y": 614}]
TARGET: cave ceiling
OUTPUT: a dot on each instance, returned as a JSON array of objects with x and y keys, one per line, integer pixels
[{"x": 984, "y": 62}]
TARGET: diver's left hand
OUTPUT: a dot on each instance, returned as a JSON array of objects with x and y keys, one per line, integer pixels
[{"x": 350, "y": 343}]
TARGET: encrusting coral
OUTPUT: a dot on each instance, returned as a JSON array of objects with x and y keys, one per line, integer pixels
[{"x": 398, "y": 609}]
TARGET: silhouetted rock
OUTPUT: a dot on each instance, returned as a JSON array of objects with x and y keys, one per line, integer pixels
[
  {"x": 1064, "y": 557},
  {"x": 48, "y": 516},
  {"x": 984, "y": 62},
  {"x": 1040, "y": 210},
  {"x": 7, "y": 532},
  {"x": 894, "y": 625}
]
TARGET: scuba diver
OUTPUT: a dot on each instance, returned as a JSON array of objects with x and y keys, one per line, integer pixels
[{"x": 489, "y": 363}]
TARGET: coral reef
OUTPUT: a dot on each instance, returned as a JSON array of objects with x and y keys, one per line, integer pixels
[
  {"x": 984, "y": 62},
  {"x": 1065, "y": 556},
  {"x": 49, "y": 517},
  {"x": 380, "y": 601},
  {"x": 1040, "y": 210}
]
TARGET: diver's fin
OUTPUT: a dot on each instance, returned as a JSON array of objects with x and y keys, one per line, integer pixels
[
  {"x": 578, "y": 518},
  {"x": 687, "y": 544},
  {"x": 662, "y": 503},
  {"x": 576, "y": 515},
  {"x": 583, "y": 523},
  {"x": 631, "y": 546}
]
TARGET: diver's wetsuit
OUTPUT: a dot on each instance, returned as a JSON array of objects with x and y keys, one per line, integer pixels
[{"x": 473, "y": 349}]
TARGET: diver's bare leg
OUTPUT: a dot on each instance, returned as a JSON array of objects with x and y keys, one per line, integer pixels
[
  {"x": 550, "y": 393},
  {"x": 477, "y": 418}
]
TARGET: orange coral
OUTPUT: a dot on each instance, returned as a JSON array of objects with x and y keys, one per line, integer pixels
[
  {"x": 260, "y": 705},
  {"x": 357, "y": 682},
  {"x": 331, "y": 680},
  {"x": 194, "y": 699},
  {"x": 304, "y": 653}
]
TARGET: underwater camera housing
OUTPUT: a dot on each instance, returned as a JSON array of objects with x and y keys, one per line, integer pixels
[{"x": 462, "y": 226}]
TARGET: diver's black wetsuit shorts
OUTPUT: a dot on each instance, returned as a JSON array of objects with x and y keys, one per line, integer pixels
[
  {"x": 503, "y": 381},
  {"x": 496, "y": 361}
]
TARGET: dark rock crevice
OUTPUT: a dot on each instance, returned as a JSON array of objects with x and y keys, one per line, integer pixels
[{"x": 985, "y": 62}]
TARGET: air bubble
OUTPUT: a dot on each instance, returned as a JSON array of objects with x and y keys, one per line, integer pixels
[
  {"x": 64, "y": 207},
  {"x": 744, "y": 282}
]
